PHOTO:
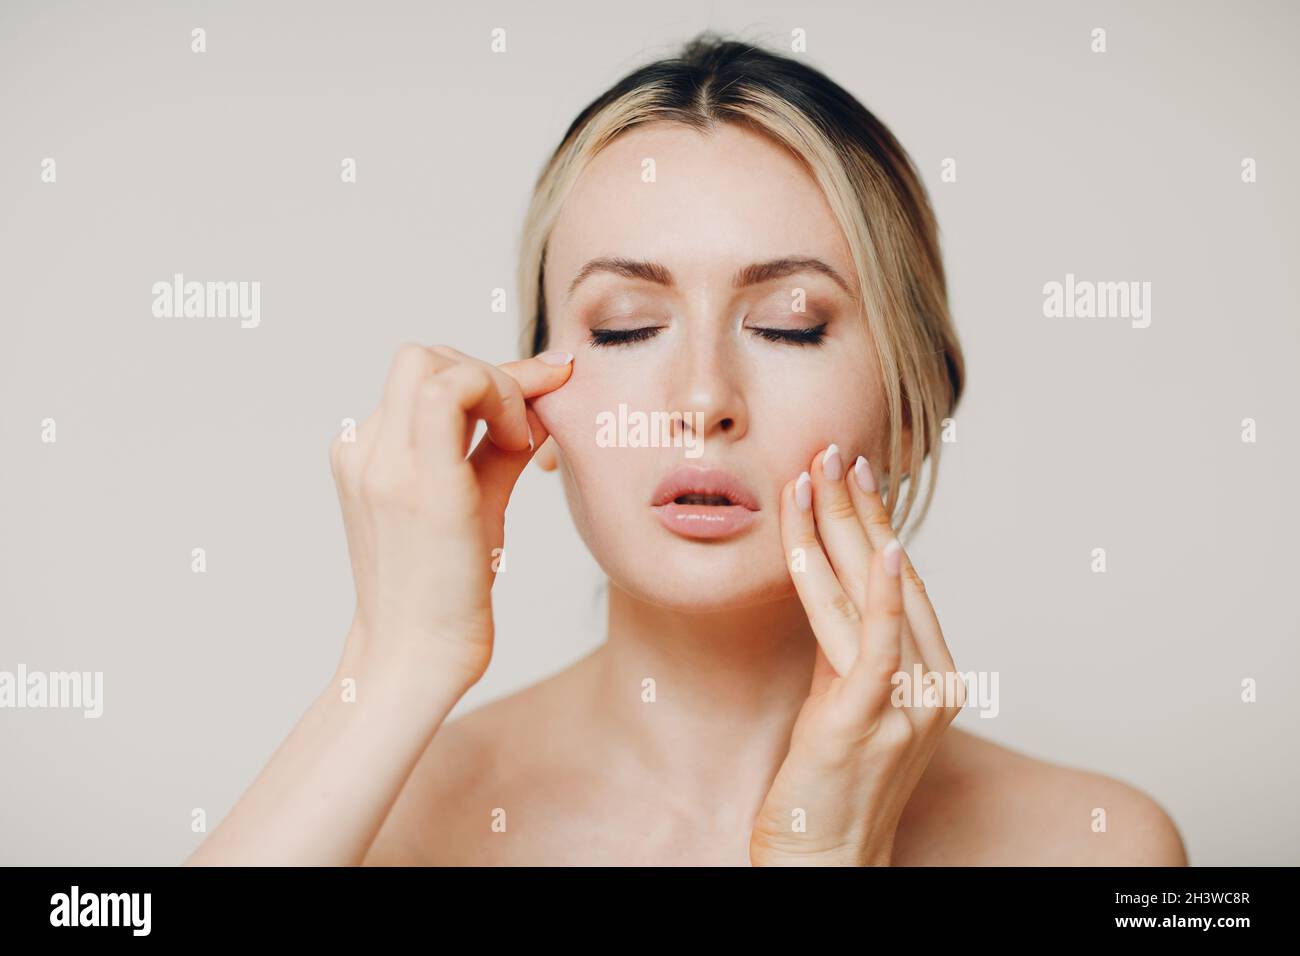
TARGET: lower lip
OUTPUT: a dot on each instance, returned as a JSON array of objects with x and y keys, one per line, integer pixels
[{"x": 705, "y": 521}]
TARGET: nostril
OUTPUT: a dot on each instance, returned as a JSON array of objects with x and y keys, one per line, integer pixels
[{"x": 726, "y": 424}]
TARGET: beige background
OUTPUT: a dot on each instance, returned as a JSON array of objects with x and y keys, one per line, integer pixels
[{"x": 175, "y": 434}]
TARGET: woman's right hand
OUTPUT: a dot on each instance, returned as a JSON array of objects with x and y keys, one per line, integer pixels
[
  {"x": 422, "y": 522},
  {"x": 425, "y": 524}
]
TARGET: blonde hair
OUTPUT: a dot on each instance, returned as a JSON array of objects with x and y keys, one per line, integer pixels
[{"x": 872, "y": 189}]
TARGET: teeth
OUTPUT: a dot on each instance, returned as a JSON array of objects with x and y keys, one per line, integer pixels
[{"x": 694, "y": 499}]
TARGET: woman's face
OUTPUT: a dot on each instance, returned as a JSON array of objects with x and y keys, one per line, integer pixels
[{"x": 687, "y": 213}]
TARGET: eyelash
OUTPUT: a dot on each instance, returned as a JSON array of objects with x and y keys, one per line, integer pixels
[{"x": 603, "y": 338}]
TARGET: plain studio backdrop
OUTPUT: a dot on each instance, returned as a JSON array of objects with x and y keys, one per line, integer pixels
[{"x": 1076, "y": 433}]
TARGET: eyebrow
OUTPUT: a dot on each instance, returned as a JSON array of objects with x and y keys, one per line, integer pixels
[{"x": 752, "y": 274}]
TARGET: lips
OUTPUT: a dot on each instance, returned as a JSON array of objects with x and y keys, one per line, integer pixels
[{"x": 704, "y": 503}]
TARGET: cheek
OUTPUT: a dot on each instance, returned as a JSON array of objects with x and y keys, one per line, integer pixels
[
  {"x": 804, "y": 421},
  {"x": 595, "y": 478},
  {"x": 569, "y": 412},
  {"x": 597, "y": 385}
]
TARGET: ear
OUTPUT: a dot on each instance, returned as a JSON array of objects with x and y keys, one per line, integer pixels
[{"x": 545, "y": 456}]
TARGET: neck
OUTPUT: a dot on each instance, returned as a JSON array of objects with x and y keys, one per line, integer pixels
[{"x": 727, "y": 689}]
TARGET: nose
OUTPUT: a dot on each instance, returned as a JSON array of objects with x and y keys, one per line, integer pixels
[{"x": 706, "y": 383}]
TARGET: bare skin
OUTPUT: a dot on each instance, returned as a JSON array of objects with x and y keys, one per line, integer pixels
[
  {"x": 770, "y": 683},
  {"x": 585, "y": 770},
  {"x": 572, "y": 798}
]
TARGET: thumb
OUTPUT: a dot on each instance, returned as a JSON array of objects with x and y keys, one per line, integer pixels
[{"x": 541, "y": 373}]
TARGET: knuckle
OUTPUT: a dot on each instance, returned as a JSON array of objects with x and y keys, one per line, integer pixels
[
  {"x": 464, "y": 379},
  {"x": 480, "y": 377},
  {"x": 409, "y": 363},
  {"x": 931, "y": 717},
  {"x": 893, "y": 603},
  {"x": 806, "y": 538},
  {"x": 913, "y": 578},
  {"x": 877, "y": 519},
  {"x": 512, "y": 395},
  {"x": 886, "y": 609},
  {"x": 842, "y": 607},
  {"x": 959, "y": 695},
  {"x": 887, "y": 666},
  {"x": 410, "y": 354},
  {"x": 896, "y": 735},
  {"x": 840, "y": 509},
  {"x": 433, "y": 391},
  {"x": 843, "y": 725}
]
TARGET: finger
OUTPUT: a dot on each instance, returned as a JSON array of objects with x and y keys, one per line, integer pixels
[
  {"x": 842, "y": 525},
  {"x": 868, "y": 505},
  {"x": 912, "y": 665},
  {"x": 831, "y": 613},
  {"x": 507, "y": 425},
  {"x": 838, "y": 525},
  {"x": 498, "y": 470},
  {"x": 411, "y": 366},
  {"x": 870, "y": 681},
  {"x": 446, "y": 405},
  {"x": 823, "y": 674},
  {"x": 875, "y": 520},
  {"x": 541, "y": 373}
]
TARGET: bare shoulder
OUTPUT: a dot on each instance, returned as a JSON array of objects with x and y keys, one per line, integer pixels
[
  {"x": 517, "y": 761},
  {"x": 466, "y": 785},
  {"x": 985, "y": 804}
]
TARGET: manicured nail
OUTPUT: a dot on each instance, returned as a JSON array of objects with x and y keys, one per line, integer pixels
[
  {"x": 862, "y": 472},
  {"x": 893, "y": 558},
  {"x": 556, "y": 358},
  {"x": 803, "y": 492},
  {"x": 832, "y": 466}
]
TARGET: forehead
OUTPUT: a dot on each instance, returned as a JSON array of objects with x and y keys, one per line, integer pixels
[{"x": 719, "y": 200}]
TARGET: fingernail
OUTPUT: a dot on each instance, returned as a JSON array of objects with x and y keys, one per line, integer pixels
[
  {"x": 832, "y": 466},
  {"x": 893, "y": 558},
  {"x": 862, "y": 472},
  {"x": 556, "y": 358},
  {"x": 531, "y": 444},
  {"x": 803, "y": 492}
]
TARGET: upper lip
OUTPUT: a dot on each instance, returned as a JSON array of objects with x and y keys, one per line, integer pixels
[{"x": 704, "y": 481}]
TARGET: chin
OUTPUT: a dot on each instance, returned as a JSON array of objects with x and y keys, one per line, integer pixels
[{"x": 697, "y": 577}]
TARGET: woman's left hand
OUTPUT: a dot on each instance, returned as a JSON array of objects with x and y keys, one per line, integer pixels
[{"x": 855, "y": 757}]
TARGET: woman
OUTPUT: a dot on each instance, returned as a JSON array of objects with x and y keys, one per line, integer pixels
[{"x": 731, "y": 242}]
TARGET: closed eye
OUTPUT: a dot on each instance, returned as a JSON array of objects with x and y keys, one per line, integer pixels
[
  {"x": 811, "y": 336},
  {"x": 606, "y": 337},
  {"x": 603, "y": 337}
]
